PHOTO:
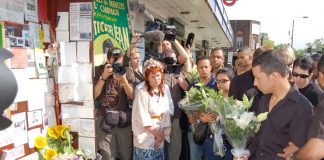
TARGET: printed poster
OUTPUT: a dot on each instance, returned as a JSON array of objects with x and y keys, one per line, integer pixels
[
  {"x": 31, "y": 10},
  {"x": 80, "y": 21},
  {"x": 111, "y": 28},
  {"x": 19, "y": 59},
  {"x": 12, "y": 11}
]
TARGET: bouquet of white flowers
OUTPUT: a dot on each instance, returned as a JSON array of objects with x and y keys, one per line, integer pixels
[
  {"x": 203, "y": 100},
  {"x": 195, "y": 98},
  {"x": 239, "y": 123}
]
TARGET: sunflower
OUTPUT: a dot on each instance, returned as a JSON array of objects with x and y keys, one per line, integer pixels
[
  {"x": 40, "y": 142},
  {"x": 53, "y": 133},
  {"x": 50, "y": 153},
  {"x": 60, "y": 129}
]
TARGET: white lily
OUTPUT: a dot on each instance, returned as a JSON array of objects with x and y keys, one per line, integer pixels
[{"x": 244, "y": 120}]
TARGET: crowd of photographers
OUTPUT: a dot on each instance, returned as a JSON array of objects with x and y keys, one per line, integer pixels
[{"x": 138, "y": 116}]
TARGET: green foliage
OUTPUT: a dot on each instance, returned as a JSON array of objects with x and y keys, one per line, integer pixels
[
  {"x": 203, "y": 97},
  {"x": 317, "y": 45},
  {"x": 268, "y": 44},
  {"x": 299, "y": 52},
  {"x": 279, "y": 46},
  {"x": 193, "y": 75},
  {"x": 246, "y": 102}
]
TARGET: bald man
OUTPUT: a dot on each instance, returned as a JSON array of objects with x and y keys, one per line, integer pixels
[{"x": 244, "y": 59}]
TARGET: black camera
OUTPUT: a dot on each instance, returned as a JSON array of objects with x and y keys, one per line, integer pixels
[
  {"x": 118, "y": 68},
  {"x": 171, "y": 65},
  {"x": 156, "y": 56},
  {"x": 173, "y": 68},
  {"x": 169, "y": 30}
]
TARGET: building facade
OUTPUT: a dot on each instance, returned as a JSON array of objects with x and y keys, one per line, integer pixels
[{"x": 246, "y": 33}]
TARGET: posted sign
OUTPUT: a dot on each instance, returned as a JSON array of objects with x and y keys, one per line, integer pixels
[{"x": 111, "y": 28}]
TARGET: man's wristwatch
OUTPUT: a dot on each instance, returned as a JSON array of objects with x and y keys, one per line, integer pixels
[{"x": 101, "y": 78}]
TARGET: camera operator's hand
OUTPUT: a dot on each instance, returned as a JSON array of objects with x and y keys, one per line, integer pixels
[
  {"x": 108, "y": 71},
  {"x": 136, "y": 37},
  {"x": 121, "y": 78}
]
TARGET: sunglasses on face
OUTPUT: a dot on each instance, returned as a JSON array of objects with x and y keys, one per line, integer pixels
[
  {"x": 300, "y": 75},
  {"x": 222, "y": 80}
]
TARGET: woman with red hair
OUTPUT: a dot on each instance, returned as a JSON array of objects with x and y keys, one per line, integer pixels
[{"x": 151, "y": 114}]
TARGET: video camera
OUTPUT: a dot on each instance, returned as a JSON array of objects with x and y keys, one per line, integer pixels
[
  {"x": 168, "y": 30},
  {"x": 171, "y": 65}
]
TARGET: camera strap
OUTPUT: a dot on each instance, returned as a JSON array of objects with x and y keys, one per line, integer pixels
[{"x": 108, "y": 90}]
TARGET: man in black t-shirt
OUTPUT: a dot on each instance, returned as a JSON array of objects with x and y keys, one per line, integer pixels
[{"x": 290, "y": 112}]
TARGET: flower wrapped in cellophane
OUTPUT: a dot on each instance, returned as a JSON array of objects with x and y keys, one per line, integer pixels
[
  {"x": 194, "y": 99},
  {"x": 201, "y": 99},
  {"x": 240, "y": 124}
]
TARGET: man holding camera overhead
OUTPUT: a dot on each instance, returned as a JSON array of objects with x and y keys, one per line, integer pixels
[
  {"x": 113, "y": 91},
  {"x": 175, "y": 80}
]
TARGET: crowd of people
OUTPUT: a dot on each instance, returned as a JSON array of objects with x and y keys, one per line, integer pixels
[{"x": 138, "y": 115}]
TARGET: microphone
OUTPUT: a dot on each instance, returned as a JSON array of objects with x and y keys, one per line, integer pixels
[
  {"x": 156, "y": 36},
  {"x": 190, "y": 39}
]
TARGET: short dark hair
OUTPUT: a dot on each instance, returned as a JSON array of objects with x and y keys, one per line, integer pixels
[
  {"x": 316, "y": 57},
  {"x": 321, "y": 64},
  {"x": 305, "y": 63},
  {"x": 216, "y": 49},
  {"x": 227, "y": 71},
  {"x": 202, "y": 58},
  {"x": 260, "y": 50},
  {"x": 112, "y": 50},
  {"x": 270, "y": 62},
  {"x": 246, "y": 49}
]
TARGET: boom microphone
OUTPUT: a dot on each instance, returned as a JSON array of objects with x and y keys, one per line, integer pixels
[
  {"x": 190, "y": 39},
  {"x": 156, "y": 36}
]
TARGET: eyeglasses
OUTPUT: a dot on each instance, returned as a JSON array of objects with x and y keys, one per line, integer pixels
[
  {"x": 300, "y": 75},
  {"x": 222, "y": 80}
]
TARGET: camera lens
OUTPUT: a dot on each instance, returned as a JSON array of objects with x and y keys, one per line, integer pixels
[{"x": 118, "y": 68}]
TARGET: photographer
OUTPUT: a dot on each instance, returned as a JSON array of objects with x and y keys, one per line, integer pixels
[
  {"x": 183, "y": 54},
  {"x": 164, "y": 35},
  {"x": 175, "y": 80},
  {"x": 113, "y": 91}
]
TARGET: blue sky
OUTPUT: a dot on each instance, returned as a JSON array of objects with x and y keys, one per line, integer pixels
[{"x": 276, "y": 18}]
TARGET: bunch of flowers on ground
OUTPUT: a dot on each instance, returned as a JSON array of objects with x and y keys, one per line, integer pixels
[{"x": 57, "y": 145}]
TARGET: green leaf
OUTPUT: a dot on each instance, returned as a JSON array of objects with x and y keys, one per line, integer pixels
[
  {"x": 246, "y": 102},
  {"x": 199, "y": 84},
  {"x": 262, "y": 116},
  {"x": 203, "y": 93}
]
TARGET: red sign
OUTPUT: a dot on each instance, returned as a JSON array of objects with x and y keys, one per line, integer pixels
[{"x": 229, "y": 2}]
